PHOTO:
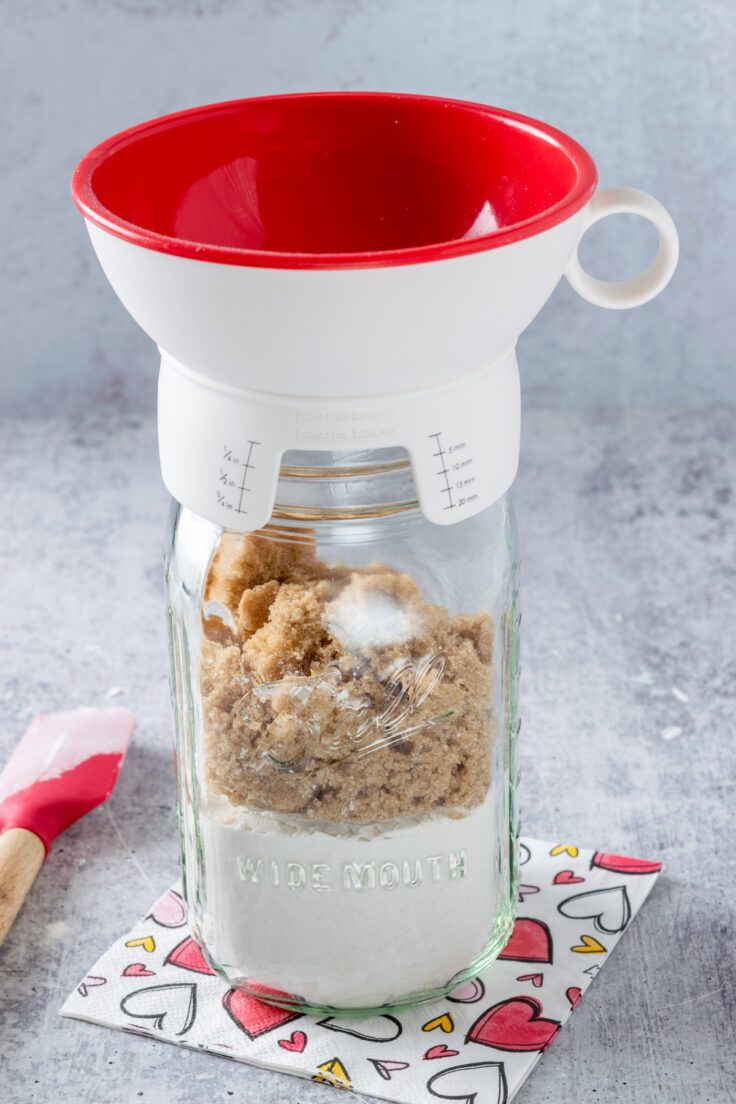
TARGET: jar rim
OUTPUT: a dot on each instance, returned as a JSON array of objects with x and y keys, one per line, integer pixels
[
  {"x": 343, "y": 471},
  {"x": 342, "y": 513},
  {"x": 391, "y": 491}
]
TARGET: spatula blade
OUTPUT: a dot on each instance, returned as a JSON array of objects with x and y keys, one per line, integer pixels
[{"x": 65, "y": 765}]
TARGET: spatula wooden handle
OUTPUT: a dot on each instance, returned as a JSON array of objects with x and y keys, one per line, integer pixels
[{"x": 21, "y": 856}]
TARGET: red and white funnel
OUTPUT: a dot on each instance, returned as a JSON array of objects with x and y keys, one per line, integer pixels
[{"x": 345, "y": 270}]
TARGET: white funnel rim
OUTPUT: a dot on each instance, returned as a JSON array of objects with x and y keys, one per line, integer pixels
[{"x": 540, "y": 139}]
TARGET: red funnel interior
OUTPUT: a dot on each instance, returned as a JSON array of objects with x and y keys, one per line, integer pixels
[{"x": 333, "y": 180}]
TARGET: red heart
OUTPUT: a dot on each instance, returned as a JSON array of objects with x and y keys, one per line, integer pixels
[
  {"x": 623, "y": 865},
  {"x": 566, "y": 877},
  {"x": 254, "y": 1016},
  {"x": 188, "y": 955},
  {"x": 535, "y": 979},
  {"x": 296, "y": 1042},
  {"x": 137, "y": 969},
  {"x": 514, "y": 1024},
  {"x": 573, "y": 994},
  {"x": 440, "y": 1051},
  {"x": 530, "y": 941}
]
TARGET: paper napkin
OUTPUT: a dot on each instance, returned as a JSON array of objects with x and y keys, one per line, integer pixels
[{"x": 478, "y": 1044}]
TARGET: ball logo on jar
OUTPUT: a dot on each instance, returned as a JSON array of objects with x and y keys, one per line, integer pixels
[{"x": 375, "y": 721}]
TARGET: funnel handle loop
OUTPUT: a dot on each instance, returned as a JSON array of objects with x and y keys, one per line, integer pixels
[{"x": 642, "y": 288}]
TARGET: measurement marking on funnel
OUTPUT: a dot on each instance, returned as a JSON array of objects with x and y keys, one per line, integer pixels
[
  {"x": 246, "y": 468},
  {"x": 230, "y": 479},
  {"x": 447, "y": 489}
]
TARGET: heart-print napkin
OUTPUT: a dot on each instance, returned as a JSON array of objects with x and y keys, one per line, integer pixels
[{"x": 478, "y": 1044}]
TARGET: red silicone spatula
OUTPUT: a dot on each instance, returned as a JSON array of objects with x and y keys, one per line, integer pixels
[{"x": 65, "y": 765}]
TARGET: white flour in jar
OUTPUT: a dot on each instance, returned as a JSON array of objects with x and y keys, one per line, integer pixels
[{"x": 344, "y": 915}]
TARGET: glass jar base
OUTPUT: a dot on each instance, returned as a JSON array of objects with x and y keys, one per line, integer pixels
[{"x": 502, "y": 929}]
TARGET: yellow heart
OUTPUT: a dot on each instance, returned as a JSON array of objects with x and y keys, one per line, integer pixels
[
  {"x": 445, "y": 1022},
  {"x": 148, "y": 943},
  {"x": 335, "y": 1074},
  {"x": 590, "y": 946},
  {"x": 562, "y": 848}
]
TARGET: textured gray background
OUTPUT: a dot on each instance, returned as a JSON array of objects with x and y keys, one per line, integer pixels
[
  {"x": 627, "y": 523},
  {"x": 626, "y": 515},
  {"x": 648, "y": 86}
]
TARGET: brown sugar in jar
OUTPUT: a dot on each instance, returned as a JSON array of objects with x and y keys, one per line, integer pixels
[{"x": 340, "y": 694}]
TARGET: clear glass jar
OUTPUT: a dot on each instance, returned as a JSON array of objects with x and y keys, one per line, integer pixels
[{"x": 344, "y": 685}]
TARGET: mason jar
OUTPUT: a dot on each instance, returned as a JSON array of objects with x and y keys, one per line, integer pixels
[{"x": 344, "y": 683}]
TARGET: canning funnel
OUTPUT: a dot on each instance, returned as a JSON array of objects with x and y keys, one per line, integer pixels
[{"x": 341, "y": 271}]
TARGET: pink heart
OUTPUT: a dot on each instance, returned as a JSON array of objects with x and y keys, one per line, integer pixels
[
  {"x": 535, "y": 979},
  {"x": 385, "y": 1068},
  {"x": 90, "y": 983},
  {"x": 566, "y": 877},
  {"x": 469, "y": 993},
  {"x": 170, "y": 911},
  {"x": 439, "y": 1051},
  {"x": 137, "y": 969},
  {"x": 296, "y": 1042},
  {"x": 526, "y": 891}
]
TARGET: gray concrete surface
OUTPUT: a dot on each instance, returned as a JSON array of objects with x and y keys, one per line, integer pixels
[
  {"x": 647, "y": 86},
  {"x": 629, "y": 655}
]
